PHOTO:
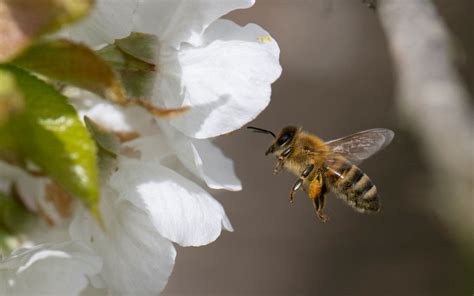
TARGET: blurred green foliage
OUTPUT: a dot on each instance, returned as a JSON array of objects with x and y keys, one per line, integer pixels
[{"x": 49, "y": 133}]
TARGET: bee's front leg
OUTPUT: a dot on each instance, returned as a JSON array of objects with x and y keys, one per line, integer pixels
[
  {"x": 309, "y": 168},
  {"x": 278, "y": 167},
  {"x": 281, "y": 160}
]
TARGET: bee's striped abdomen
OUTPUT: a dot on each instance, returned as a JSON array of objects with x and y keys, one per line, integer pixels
[{"x": 353, "y": 185}]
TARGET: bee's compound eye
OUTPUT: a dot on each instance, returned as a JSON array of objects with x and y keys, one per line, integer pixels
[{"x": 284, "y": 139}]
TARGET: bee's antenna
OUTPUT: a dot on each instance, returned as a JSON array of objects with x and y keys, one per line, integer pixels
[{"x": 261, "y": 130}]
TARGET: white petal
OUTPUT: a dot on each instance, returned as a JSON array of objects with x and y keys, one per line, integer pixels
[
  {"x": 216, "y": 169},
  {"x": 137, "y": 260},
  {"x": 32, "y": 191},
  {"x": 44, "y": 233},
  {"x": 157, "y": 148},
  {"x": 226, "y": 30},
  {"x": 26, "y": 185},
  {"x": 109, "y": 20},
  {"x": 176, "y": 21},
  {"x": 181, "y": 211},
  {"x": 58, "y": 269},
  {"x": 91, "y": 291},
  {"x": 227, "y": 81},
  {"x": 9, "y": 172},
  {"x": 205, "y": 160},
  {"x": 153, "y": 147},
  {"x": 122, "y": 119},
  {"x": 111, "y": 116}
]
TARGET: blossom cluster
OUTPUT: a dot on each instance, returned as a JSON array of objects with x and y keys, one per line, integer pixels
[{"x": 153, "y": 193}]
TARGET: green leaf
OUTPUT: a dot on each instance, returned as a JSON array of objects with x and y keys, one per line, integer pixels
[
  {"x": 142, "y": 46},
  {"x": 105, "y": 140},
  {"x": 75, "y": 64},
  {"x": 108, "y": 144},
  {"x": 11, "y": 99},
  {"x": 133, "y": 58},
  {"x": 49, "y": 133},
  {"x": 22, "y": 21},
  {"x": 14, "y": 217},
  {"x": 137, "y": 76}
]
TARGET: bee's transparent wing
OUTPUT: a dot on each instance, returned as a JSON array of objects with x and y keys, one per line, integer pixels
[{"x": 361, "y": 145}]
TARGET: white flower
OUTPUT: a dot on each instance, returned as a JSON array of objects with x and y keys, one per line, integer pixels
[
  {"x": 180, "y": 210},
  {"x": 137, "y": 259},
  {"x": 54, "y": 269},
  {"x": 223, "y": 72}
]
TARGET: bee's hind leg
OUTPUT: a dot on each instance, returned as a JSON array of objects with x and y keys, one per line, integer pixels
[
  {"x": 318, "y": 204},
  {"x": 299, "y": 182},
  {"x": 317, "y": 193}
]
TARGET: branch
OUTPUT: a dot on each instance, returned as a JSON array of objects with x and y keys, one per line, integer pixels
[{"x": 433, "y": 101}]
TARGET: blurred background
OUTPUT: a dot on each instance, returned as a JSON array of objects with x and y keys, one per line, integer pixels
[{"x": 337, "y": 79}]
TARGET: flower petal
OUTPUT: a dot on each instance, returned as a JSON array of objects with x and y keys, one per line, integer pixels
[
  {"x": 157, "y": 148},
  {"x": 226, "y": 82},
  {"x": 152, "y": 147},
  {"x": 37, "y": 194},
  {"x": 205, "y": 160},
  {"x": 25, "y": 184},
  {"x": 111, "y": 116},
  {"x": 226, "y": 30},
  {"x": 8, "y": 175},
  {"x": 137, "y": 260},
  {"x": 109, "y": 20},
  {"x": 181, "y": 211},
  {"x": 31, "y": 190},
  {"x": 54, "y": 269},
  {"x": 180, "y": 21}
]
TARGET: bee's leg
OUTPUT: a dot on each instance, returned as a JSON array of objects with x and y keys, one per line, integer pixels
[
  {"x": 317, "y": 191},
  {"x": 299, "y": 182},
  {"x": 318, "y": 204},
  {"x": 278, "y": 167},
  {"x": 295, "y": 188},
  {"x": 281, "y": 160}
]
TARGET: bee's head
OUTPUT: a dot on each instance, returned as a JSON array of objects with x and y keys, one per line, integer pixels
[{"x": 284, "y": 139}]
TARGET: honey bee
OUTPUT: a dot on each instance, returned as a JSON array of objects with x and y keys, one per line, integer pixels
[{"x": 329, "y": 166}]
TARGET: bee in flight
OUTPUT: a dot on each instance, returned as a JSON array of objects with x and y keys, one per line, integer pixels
[{"x": 329, "y": 166}]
